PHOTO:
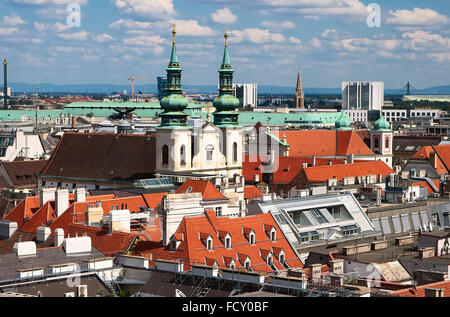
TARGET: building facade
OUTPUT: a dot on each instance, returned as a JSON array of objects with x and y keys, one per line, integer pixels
[
  {"x": 362, "y": 95},
  {"x": 247, "y": 94}
]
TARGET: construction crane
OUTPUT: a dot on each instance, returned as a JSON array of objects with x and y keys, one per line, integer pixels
[{"x": 132, "y": 84}]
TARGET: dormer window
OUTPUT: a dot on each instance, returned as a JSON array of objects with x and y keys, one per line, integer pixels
[
  {"x": 281, "y": 258},
  {"x": 209, "y": 244},
  {"x": 251, "y": 238},
  {"x": 269, "y": 260},
  {"x": 228, "y": 242},
  {"x": 247, "y": 264}
]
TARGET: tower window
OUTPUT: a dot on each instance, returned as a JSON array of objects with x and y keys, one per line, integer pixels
[
  {"x": 387, "y": 143},
  {"x": 183, "y": 155},
  {"x": 209, "y": 152},
  {"x": 165, "y": 155},
  {"x": 235, "y": 152},
  {"x": 377, "y": 142}
]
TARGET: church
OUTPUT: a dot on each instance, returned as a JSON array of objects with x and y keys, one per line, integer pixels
[{"x": 212, "y": 151}]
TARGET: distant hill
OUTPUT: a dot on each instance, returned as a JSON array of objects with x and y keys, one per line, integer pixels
[{"x": 191, "y": 89}]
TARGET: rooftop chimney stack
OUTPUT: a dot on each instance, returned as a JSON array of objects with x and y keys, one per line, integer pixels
[
  {"x": 43, "y": 233},
  {"x": 80, "y": 195},
  {"x": 47, "y": 194},
  {"x": 59, "y": 237},
  {"x": 5, "y": 84},
  {"x": 62, "y": 201}
]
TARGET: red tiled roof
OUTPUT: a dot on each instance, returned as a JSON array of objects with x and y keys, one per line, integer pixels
[
  {"x": 23, "y": 173},
  {"x": 419, "y": 291},
  {"x": 252, "y": 192},
  {"x": 324, "y": 143},
  {"x": 206, "y": 188},
  {"x": 320, "y": 174},
  {"x": 444, "y": 154},
  {"x": 102, "y": 240},
  {"x": 153, "y": 200},
  {"x": 103, "y": 156},
  {"x": 192, "y": 248},
  {"x": 430, "y": 190}
]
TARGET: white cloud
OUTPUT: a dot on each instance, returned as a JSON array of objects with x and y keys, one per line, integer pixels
[
  {"x": 154, "y": 9},
  {"x": 184, "y": 27},
  {"x": 8, "y": 31},
  {"x": 295, "y": 40},
  {"x": 47, "y": 2},
  {"x": 417, "y": 16},
  {"x": 81, "y": 36},
  {"x": 278, "y": 25},
  {"x": 102, "y": 38},
  {"x": 330, "y": 34},
  {"x": 224, "y": 16},
  {"x": 257, "y": 36},
  {"x": 13, "y": 20}
]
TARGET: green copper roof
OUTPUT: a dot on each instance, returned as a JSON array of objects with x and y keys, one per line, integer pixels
[
  {"x": 382, "y": 125},
  {"x": 343, "y": 123}
]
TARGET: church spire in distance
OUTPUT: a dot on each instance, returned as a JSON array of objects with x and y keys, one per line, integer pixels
[{"x": 299, "y": 96}]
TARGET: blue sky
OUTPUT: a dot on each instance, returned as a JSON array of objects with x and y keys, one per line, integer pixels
[{"x": 329, "y": 39}]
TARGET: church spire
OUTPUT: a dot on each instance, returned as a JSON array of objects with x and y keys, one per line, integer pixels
[
  {"x": 226, "y": 103},
  {"x": 174, "y": 104},
  {"x": 299, "y": 96}
]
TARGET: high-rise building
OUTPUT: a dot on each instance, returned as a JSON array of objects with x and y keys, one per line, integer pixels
[
  {"x": 299, "y": 95},
  {"x": 362, "y": 95},
  {"x": 162, "y": 87},
  {"x": 247, "y": 94}
]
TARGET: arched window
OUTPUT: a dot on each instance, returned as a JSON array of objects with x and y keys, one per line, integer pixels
[
  {"x": 235, "y": 152},
  {"x": 209, "y": 152},
  {"x": 165, "y": 155},
  {"x": 183, "y": 155},
  {"x": 377, "y": 142},
  {"x": 387, "y": 142}
]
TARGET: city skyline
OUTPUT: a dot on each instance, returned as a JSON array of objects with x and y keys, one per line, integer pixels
[{"x": 329, "y": 39}]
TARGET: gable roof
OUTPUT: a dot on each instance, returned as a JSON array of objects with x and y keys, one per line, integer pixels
[
  {"x": 193, "y": 249},
  {"x": 442, "y": 160},
  {"x": 252, "y": 192},
  {"x": 206, "y": 188},
  {"x": 320, "y": 174},
  {"x": 99, "y": 156},
  {"x": 107, "y": 243},
  {"x": 419, "y": 291},
  {"x": 23, "y": 173},
  {"x": 324, "y": 143}
]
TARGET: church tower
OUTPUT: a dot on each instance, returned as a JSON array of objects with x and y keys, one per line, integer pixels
[
  {"x": 299, "y": 95},
  {"x": 226, "y": 117},
  {"x": 381, "y": 140},
  {"x": 173, "y": 141}
]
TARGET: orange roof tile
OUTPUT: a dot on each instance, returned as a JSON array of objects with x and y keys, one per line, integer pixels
[
  {"x": 102, "y": 240},
  {"x": 324, "y": 143},
  {"x": 252, "y": 192},
  {"x": 206, "y": 188},
  {"x": 320, "y": 174},
  {"x": 443, "y": 158},
  {"x": 419, "y": 291},
  {"x": 192, "y": 248}
]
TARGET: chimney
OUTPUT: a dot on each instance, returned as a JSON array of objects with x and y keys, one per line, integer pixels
[
  {"x": 256, "y": 178},
  {"x": 80, "y": 195},
  {"x": 350, "y": 158},
  {"x": 25, "y": 249},
  {"x": 7, "y": 229},
  {"x": 5, "y": 85},
  {"x": 315, "y": 272},
  {"x": 47, "y": 193},
  {"x": 62, "y": 201},
  {"x": 74, "y": 122},
  {"x": 43, "y": 233},
  {"x": 77, "y": 245},
  {"x": 59, "y": 237},
  {"x": 434, "y": 292},
  {"x": 433, "y": 159},
  {"x": 304, "y": 165},
  {"x": 337, "y": 266},
  {"x": 119, "y": 220}
]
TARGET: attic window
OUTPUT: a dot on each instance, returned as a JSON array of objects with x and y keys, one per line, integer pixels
[
  {"x": 228, "y": 243},
  {"x": 209, "y": 244},
  {"x": 251, "y": 238},
  {"x": 189, "y": 190},
  {"x": 273, "y": 235}
]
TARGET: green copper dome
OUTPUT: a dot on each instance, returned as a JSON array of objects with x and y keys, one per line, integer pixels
[
  {"x": 343, "y": 123},
  {"x": 226, "y": 102},
  {"x": 174, "y": 103},
  {"x": 382, "y": 124}
]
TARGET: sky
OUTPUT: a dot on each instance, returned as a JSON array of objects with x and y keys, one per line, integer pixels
[{"x": 331, "y": 40}]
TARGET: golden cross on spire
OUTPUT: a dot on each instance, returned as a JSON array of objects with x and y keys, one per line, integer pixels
[
  {"x": 226, "y": 37},
  {"x": 174, "y": 32}
]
